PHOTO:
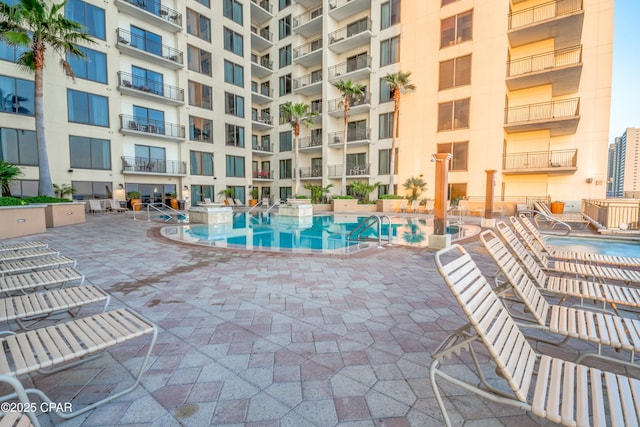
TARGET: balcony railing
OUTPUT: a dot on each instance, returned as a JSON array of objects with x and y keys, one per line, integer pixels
[
  {"x": 566, "y": 108},
  {"x": 264, "y": 4},
  {"x": 307, "y": 80},
  {"x": 307, "y": 48},
  {"x": 262, "y": 146},
  {"x": 262, "y": 118},
  {"x": 615, "y": 214},
  {"x": 355, "y": 170},
  {"x": 354, "y": 101},
  {"x": 264, "y": 62},
  {"x": 352, "y": 136},
  {"x": 151, "y": 127},
  {"x": 311, "y": 141},
  {"x": 545, "y": 61},
  {"x": 349, "y": 31},
  {"x": 149, "y": 86},
  {"x": 360, "y": 63},
  {"x": 263, "y": 32},
  {"x": 307, "y": 16},
  {"x": 545, "y": 161},
  {"x": 543, "y": 12},
  {"x": 139, "y": 42},
  {"x": 311, "y": 172},
  {"x": 153, "y": 166},
  {"x": 316, "y": 107},
  {"x": 156, "y": 8},
  {"x": 262, "y": 90},
  {"x": 263, "y": 174}
]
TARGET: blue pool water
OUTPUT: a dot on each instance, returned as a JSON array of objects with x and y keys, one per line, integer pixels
[
  {"x": 322, "y": 233},
  {"x": 597, "y": 246}
]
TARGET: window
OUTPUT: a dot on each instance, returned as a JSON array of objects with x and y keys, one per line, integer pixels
[
  {"x": 385, "y": 126},
  {"x": 199, "y": 192},
  {"x": 200, "y": 95},
  {"x": 198, "y": 25},
  {"x": 386, "y": 95},
  {"x": 384, "y": 162},
  {"x": 456, "y": 29},
  {"x": 85, "y": 190},
  {"x": 93, "y": 67},
  {"x": 91, "y": 17},
  {"x": 285, "y": 84},
  {"x": 147, "y": 153},
  {"x": 357, "y": 131},
  {"x": 233, "y": 73},
  {"x": 284, "y": 3},
  {"x": 286, "y": 141},
  {"x": 232, "y": 9},
  {"x": 201, "y": 163},
  {"x": 358, "y": 62},
  {"x": 234, "y": 104},
  {"x": 233, "y": 42},
  {"x": 146, "y": 40},
  {"x": 18, "y": 147},
  {"x": 285, "y": 193},
  {"x": 11, "y": 53},
  {"x": 147, "y": 80},
  {"x": 284, "y": 27},
  {"x": 457, "y": 191},
  {"x": 285, "y": 169},
  {"x": 235, "y": 166},
  {"x": 89, "y": 153},
  {"x": 455, "y": 72},
  {"x": 356, "y": 160},
  {"x": 357, "y": 27},
  {"x": 453, "y": 115},
  {"x": 389, "y": 13},
  {"x": 285, "y": 56},
  {"x": 199, "y": 60},
  {"x": 204, "y": 3},
  {"x": 200, "y": 129},
  {"x": 459, "y": 152},
  {"x": 17, "y": 96},
  {"x": 235, "y": 135},
  {"x": 87, "y": 108},
  {"x": 389, "y": 51},
  {"x": 149, "y": 119}
]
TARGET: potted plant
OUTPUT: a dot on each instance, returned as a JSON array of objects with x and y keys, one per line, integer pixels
[
  {"x": 173, "y": 200},
  {"x": 134, "y": 200},
  {"x": 557, "y": 207},
  {"x": 227, "y": 193},
  {"x": 8, "y": 172},
  {"x": 63, "y": 190},
  {"x": 254, "y": 196}
]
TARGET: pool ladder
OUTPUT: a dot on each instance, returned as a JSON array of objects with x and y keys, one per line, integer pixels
[
  {"x": 169, "y": 215},
  {"x": 356, "y": 233}
]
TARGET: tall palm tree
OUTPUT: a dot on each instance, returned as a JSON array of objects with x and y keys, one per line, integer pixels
[
  {"x": 37, "y": 25},
  {"x": 398, "y": 83},
  {"x": 347, "y": 89},
  {"x": 297, "y": 114}
]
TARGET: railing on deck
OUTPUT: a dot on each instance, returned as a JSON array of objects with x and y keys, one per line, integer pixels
[{"x": 615, "y": 214}]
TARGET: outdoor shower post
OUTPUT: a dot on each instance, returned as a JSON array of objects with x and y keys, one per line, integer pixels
[
  {"x": 440, "y": 239},
  {"x": 488, "y": 220}
]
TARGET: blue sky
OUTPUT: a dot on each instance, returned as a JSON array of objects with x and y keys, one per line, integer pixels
[{"x": 625, "y": 91}]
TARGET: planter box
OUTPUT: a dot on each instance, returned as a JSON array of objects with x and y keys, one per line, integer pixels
[
  {"x": 367, "y": 208},
  {"x": 61, "y": 214},
  {"x": 557, "y": 207},
  {"x": 344, "y": 205},
  {"x": 322, "y": 207},
  {"x": 296, "y": 202},
  {"x": 18, "y": 221},
  {"x": 388, "y": 205}
]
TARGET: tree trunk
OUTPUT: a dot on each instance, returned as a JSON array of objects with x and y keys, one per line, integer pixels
[
  {"x": 296, "y": 156},
  {"x": 45, "y": 185},
  {"x": 394, "y": 142},
  {"x": 343, "y": 187}
]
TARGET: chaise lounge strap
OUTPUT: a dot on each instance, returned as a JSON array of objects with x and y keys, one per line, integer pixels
[
  {"x": 35, "y": 264},
  {"x": 35, "y": 279},
  {"x": 22, "y": 245}
]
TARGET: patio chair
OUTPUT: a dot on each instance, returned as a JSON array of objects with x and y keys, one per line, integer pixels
[
  {"x": 414, "y": 206},
  {"x": 13, "y": 283},
  {"x": 67, "y": 344},
  {"x": 23, "y": 254},
  {"x": 22, "y": 245},
  {"x": 95, "y": 207},
  {"x": 573, "y": 268},
  {"x": 26, "y": 265},
  {"x": 23, "y": 418},
  {"x": 531, "y": 232},
  {"x": 430, "y": 206},
  {"x": 620, "y": 333},
  {"x": 238, "y": 203},
  {"x": 403, "y": 205},
  {"x": 542, "y": 207},
  {"x": 114, "y": 206},
  {"x": 583, "y": 289},
  {"x": 550, "y": 388}
]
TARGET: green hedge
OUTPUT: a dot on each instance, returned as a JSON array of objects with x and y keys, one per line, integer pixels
[
  {"x": 44, "y": 199},
  {"x": 343, "y": 197},
  {"x": 390, "y": 196},
  {"x": 11, "y": 201}
]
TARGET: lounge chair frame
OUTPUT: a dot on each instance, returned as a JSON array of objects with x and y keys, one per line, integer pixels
[
  {"x": 23, "y": 266},
  {"x": 22, "y": 254},
  {"x": 22, "y": 245},
  {"x": 14, "y": 283}
]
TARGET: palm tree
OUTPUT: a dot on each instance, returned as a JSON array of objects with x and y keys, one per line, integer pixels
[
  {"x": 398, "y": 83},
  {"x": 8, "y": 172},
  {"x": 347, "y": 90},
  {"x": 36, "y": 25},
  {"x": 297, "y": 114},
  {"x": 416, "y": 186}
]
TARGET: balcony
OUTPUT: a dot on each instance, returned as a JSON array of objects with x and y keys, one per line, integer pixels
[
  {"x": 356, "y": 69},
  {"x": 358, "y": 104},
  {"x": 263, "y": 175},
  {"x": 356, "y": 137},
  {"x": 261, "y": 148},
  {"x": 310, "y": 143},
  {"x": 309, "y": 23},
  {"x": 309, "y": 84},
  {"x": 359, "y": 171},
  {"x": 261, "y": 38},
  {"x": 130, "y": 125},
  {"x": 311, "y": 173},
  {"x": 540, "y": 162},
  {"x": 261, "y": 11},
  {"x": 559, "y": 117},
  {"x": 261, "y": 67},
  {"x": 309, "y": 3},
  {"x": 152, "y": 11},
  {"x": 350, "y": 37},
  {"x": 147, "y": 166},
  {"x": 261, "y": 122},
  {"x": 143, "y": 49},
  {"x": 261, "y": 94},
  {"x": 308, "y": 54},
  {"x": 342, "y": 9},
  {"x": 560, "y": 19},
  {"x": 562, "y": 68},
  {"x": 128, "y": 84}
]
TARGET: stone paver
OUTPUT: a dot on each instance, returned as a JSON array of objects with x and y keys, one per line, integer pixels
[{"x": 264, "y": 339}]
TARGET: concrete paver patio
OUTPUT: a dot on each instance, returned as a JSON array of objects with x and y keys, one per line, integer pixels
[{"x": 263, "y": 339}]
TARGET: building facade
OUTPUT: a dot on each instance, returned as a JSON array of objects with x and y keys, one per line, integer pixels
[
  {"x": 623, "y": 171},
  {"x": 184, "y": 97}
]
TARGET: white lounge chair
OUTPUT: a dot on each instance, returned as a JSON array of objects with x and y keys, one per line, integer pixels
[
  {"x": 114, "y": 206},
  {"x": 24, "y": 417},
  {"x": 547, "y": 216},
  {"x": 550, "y": 388},
  {"x": 414, "y": 206},
  {"x": 26, "y": 265},
  {"x": 95, "y": 207},
  {"x": 12, "y": 283},
  {"x": 403, "y": 205},
  {"x": 22, "y": 245},
  {"x": 22, "y": 254}
]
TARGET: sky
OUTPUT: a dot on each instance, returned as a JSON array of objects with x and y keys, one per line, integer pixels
[{"x": 625, "y": 89}]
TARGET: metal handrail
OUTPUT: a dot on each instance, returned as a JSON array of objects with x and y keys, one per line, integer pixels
[
  {"x": 153, "y": 205},
  {"x": 550, "y": 219},
  {"x": 366, "y": 225},
  {"x": 274, "y": 205},
  {"x": 255, "y": 206}
]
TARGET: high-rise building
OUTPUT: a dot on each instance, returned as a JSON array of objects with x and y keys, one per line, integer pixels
[
  {"x": 184, "y": 97},
  {"x": 623, "y": 171}
]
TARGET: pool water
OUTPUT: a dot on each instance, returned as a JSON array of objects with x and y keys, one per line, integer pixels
[
  {"x": 320, "y": 233},
  {"x": 597, "y": 246}
]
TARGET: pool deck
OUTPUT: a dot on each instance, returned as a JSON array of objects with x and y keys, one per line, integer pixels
[{"x": 270, "y": 339}]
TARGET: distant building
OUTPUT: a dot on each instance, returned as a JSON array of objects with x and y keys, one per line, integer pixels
[{"x": 623, "y": 170}]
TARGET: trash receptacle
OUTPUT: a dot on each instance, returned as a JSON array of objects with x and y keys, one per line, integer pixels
[{"x": 181, "y": 205}]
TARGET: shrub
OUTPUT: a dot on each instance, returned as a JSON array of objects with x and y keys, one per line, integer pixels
[
  {"x": 302, "y": 197},
  {"x": 343, "y": 197},
  {"x": 44, "y": 199},
  {"x": 390, "y": 196},
  {"x": 11, "y": 201}
]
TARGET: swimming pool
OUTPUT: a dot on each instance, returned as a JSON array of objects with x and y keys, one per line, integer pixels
[
  {"x": 319, "y": 233},
  {"x": 597, "y": 246}
]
